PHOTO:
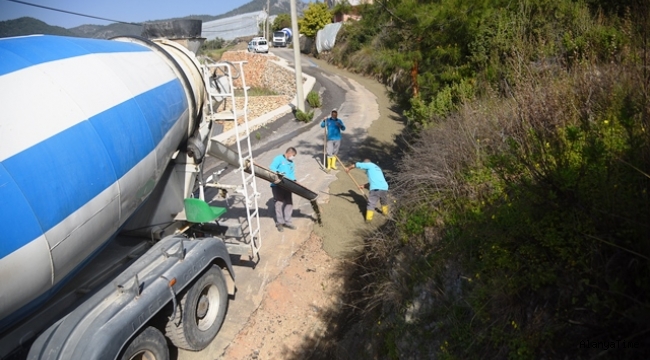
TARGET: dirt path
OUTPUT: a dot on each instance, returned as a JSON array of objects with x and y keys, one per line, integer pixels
[{"x": 309, "y": 284}]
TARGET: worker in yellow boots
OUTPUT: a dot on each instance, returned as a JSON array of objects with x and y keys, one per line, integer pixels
[
  {"x": 334, "y": 127},
  {"x": 376, "y": 184}
]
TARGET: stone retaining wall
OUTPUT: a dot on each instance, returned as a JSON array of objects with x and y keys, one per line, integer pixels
[
  {"x": 257, "y": 106},
  {"x": 262, "y": 72}
]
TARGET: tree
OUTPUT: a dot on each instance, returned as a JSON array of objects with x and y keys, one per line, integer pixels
[
  {"x": 281, "y": 21},
  {"x": 315, "y": 18},
  {"x": 342, "y": 8}
]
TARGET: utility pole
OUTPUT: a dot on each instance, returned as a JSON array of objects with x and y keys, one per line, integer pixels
[
  {"x": 265, "y": 20},
  {"x": 300, "y": 99},
  {"x": 268, "y": 15}
]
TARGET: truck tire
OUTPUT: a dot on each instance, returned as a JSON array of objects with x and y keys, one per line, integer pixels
[
  {"x": 149, "y": 344},
  {"x": 201, "y": 312}
]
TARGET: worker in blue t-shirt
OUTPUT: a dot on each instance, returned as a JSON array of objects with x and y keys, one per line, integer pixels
[
  {"x": 283, "y": 164},
  {"x": 334, "y": 128},
  {"x": 376, "y": 184}
]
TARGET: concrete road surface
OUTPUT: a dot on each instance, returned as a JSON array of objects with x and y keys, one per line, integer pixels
[{"x": 357, "y": 107}]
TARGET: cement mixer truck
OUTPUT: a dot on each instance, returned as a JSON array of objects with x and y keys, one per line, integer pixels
[
  {"x": 106, "y": 252},
  {"x": 282, "y": 38}
]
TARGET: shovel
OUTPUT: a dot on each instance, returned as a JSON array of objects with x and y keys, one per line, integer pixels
[{"x": 352, "y": 177}]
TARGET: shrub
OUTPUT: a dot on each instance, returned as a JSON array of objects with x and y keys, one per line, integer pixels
[
  {"x": 444, "y": 102},
  {"x": 304, "y": 116},
  {"x": 313, "y": 99},
  {"x": 314, "y": 18},
  {"x": 524, "y": 217}
]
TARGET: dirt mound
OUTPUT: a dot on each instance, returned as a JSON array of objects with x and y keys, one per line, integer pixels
[{"x": 290, "y": 311}]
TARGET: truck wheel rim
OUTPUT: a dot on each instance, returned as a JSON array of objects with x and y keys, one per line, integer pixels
[
  {"x": 207, "y": 307},
  {"x": 144, "y": 355}
]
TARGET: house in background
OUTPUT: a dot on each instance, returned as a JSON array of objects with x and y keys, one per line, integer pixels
[
  {"x": 331, "y": 3},
  {"x": 352, "y": 15}
]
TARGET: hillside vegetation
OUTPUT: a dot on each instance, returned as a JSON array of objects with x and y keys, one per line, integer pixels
[
  {"x": 107, "y": 31},
  {"x": 277, "y": 7},
  {"x": 28, "y": 26},
  {"x": 522, "y": 224}
]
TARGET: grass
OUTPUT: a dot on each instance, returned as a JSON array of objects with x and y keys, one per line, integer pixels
[
  {"x": 217, "y": 53},
  {"x": 256, "y": 91}
]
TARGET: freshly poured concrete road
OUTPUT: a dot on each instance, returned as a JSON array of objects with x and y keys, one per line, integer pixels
[{"x": 358, "y": 108}]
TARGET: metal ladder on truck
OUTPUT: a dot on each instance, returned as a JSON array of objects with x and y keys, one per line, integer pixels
[{"x": 223, "y": 91}]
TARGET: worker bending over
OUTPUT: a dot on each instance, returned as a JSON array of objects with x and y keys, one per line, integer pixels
[{"x": 377, "y": 185}]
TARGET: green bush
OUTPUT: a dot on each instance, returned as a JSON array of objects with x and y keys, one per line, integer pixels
[
  {"x": 546, "y": 230},
  {"x": 304, "y": 116},
  {"x": 313, "y": 99},
  {"x": 314, "y": 18},
  {"x": 445, "y": 101}
]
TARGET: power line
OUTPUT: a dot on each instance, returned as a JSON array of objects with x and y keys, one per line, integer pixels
[{"x": 73, "y": 13}]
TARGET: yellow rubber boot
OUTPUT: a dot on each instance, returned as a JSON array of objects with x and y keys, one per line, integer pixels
[
  {"x": 334, "y": 162},
  {"x": 384, "y": 209},
  {"x": 329, "y": 163},
  {"x": 369, "y": 214}
]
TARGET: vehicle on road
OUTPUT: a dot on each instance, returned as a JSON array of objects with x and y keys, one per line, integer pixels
[
  {"x": 282, "y": 38},
  {"x": 258, "y": 45}
]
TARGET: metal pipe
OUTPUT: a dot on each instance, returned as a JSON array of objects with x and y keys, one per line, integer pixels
[{"x": 221, "y": 151}]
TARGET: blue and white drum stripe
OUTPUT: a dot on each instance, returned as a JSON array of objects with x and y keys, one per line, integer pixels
[
  {"x": 86, "y": 129},
  {"x": 22, "y": 52}
]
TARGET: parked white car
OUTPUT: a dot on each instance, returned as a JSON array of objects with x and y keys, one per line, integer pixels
[{"x": 258, "y": 45}]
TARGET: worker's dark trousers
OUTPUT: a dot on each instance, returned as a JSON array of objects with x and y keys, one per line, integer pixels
[
  {"x": 283, "y": 205},
  {"x": 333, "y": 147},
  {"x": 377, "y": 196}
]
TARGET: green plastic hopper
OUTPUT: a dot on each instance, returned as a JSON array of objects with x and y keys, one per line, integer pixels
[{"x": 198, "y": 211}]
